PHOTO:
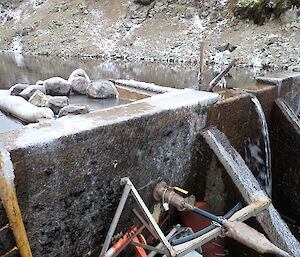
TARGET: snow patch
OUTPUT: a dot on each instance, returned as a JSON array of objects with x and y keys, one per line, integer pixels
[
  {"x": 11, "y": 15},
  {"x": 199, "y": 23},
  {"x": 183, "y": 98},
  {"x": 16, "y": 44},
  {"x": 134, "y": 27},
  {"x": 224, "y": 2},
  {"x": 96, "y": 13},
  {"x": 146, "y": 86}
]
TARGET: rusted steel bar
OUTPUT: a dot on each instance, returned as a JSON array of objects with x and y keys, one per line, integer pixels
[
  {"x": 10, "y": 204},
  {"x": 140, "y": 218},
  {"x": 128, "y": 241},
  {"x": 148, "y": 215},
  {"x": 217, "y": 79},
  {"x": 201, "y": 69},
  {"x": 150, "y": 248},
  {"x": 5, "y": 227},
  {"x": 9, "y": 252}
]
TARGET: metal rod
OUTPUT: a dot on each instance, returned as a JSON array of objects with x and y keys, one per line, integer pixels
[
  {"x": 168, "y": 236},
  {"x": 236, "y": 208},
  {"x": 201, "y": 69},
  {"x": 5, "y": 227},
  {"x": 207, "y": 229},
  {"x": 140, "y": 218},
  {"x": 149, "y": 217},
  {"x": 216, "y": 80},
  {"x": 116, "y": 218},
  {"x": 128, "y": 241},
  {"x": 9, "y": 252},
  {"x": 151, "y": 248}
]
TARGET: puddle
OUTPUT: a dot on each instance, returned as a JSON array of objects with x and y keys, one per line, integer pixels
[
  {"x": 8, "y": 123},
  {"x": 96, "y": 104}
]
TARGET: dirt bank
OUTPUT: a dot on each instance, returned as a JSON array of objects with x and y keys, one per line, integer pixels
[{"x": 161, "y": 31}]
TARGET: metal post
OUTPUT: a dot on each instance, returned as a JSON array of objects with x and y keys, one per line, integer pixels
[
  {"x": 116, "y": 218},
  {"x": 141, "y": 203},
  {"x": 201, "y": 69},
  {"x": 216, "y": 80}
]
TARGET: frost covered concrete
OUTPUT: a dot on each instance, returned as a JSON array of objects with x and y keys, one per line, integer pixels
[{"x": 68, "y": 170}]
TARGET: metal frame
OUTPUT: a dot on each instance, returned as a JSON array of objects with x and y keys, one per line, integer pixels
[{"x": 184, "y": 248}]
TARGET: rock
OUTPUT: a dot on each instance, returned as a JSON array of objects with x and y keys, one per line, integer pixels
[
  {"x": 79, "y": 73},
  {"x": 225, "y": 47},
  {"x": 102, "y": 89},
  {"x": 29, "y": 91},
  {"x": 56, "y": 103},
  {"x": 73, "y": 110},
  {"x": 26, "y": 31},
  {"x": 272, "y": 39},
  {"x": 79, "y": 85},
  {"x": 39, "y": 99},
  {"x": 143, "y": 2},
  {"x": 57, "y": 86},
  {"x": 289, "y": 16},
  {"x": 40, "y": 82},
  {"x": 17, "y": 89},
  {"x": 57, "y": 23},
  {"x": 294, "y": 68}
]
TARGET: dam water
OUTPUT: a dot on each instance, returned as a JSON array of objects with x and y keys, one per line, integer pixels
[{"x": 16, "y": 68}]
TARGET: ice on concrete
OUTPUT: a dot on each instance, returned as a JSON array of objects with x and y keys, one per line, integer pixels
[
  {"x": 183, "y": 98},
  {"x": 6, "y": 167},
  {"x": 39, "y": 134},
  {"x": 145, "y": 86}
]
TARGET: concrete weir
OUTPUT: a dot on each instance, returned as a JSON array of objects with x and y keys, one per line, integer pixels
[{"x": 67, "y": 171}]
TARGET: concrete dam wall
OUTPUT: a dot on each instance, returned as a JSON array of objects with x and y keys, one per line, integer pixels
[{"x": 67, "y": 171}]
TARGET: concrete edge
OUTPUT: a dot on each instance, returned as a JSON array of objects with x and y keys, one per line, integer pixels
[{"x": 49, "y": 130}]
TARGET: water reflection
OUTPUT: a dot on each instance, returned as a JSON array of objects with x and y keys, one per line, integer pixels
[{"x": 15, "y": 68}]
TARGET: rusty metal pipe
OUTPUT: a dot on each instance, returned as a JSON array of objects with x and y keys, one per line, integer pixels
[
  {"x": 217, "y": 79},
  {"x": 5, "y": 227},
  {"x": 165, "y": 193},
  {"x": 201, "y": 68},
  {"x": 9, "y": 252}
]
